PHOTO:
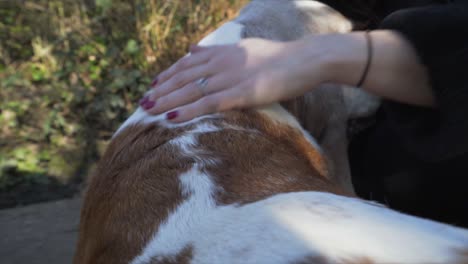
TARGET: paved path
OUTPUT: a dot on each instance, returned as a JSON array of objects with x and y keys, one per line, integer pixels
[{"x": 39, "y": 234}]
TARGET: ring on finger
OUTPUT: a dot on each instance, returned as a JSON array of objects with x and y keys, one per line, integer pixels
[{"x": 202, "y": 83}]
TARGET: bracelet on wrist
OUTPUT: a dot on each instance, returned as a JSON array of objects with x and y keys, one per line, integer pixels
[{"x": 369, "y": 59}]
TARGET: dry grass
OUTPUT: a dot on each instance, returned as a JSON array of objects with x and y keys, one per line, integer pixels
[{"x": 172, "y": 26}]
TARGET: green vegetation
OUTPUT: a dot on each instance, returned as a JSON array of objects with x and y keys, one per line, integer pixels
[{"x": 72, "y": 70}]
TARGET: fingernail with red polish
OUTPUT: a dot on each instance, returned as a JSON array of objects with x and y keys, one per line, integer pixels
[
  {"x": 148, "y": 105},
  {"x": 172, "y": 115},
  {"x": 143, "y": 101},
  {"x": 155, "y": 81}
]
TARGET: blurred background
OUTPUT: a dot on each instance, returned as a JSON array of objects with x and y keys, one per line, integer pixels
[{"x": 71, "y": 71}]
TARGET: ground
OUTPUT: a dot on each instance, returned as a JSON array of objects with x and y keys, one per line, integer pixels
[{"x": 39, "y": 234}]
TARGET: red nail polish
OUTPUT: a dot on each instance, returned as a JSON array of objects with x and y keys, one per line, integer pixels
[
  {"x": 148, "y": 105},
  {"x": 155, "y": 81},
  {"x": 143, "y": 101},
  {"x": 172, "y": 115}
]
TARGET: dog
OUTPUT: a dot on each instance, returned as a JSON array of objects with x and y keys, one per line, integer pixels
[{"x": 263, "y": 185}]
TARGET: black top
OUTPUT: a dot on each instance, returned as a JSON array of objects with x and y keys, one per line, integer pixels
[
  {"x": 438, "y": 29},
  {"x": 439, "y": 33},
  {"x": 415, "y": 159}
]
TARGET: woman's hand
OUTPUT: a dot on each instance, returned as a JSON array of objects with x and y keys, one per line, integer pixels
[
  {"x": 257, "y": 72},
  {"x": 251, "y": 73}
]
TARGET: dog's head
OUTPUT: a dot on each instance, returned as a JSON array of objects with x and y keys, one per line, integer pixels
[{"x": 285, "y": 20}]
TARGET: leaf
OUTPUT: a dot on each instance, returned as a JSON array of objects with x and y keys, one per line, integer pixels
[
  {"x": 116, "y": 101},
  {"x": 132, "y": 47},
  {"x": 104, "y": 4},
  {"x": 37, "y": 73}
]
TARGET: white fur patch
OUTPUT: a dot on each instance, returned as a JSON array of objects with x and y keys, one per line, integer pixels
[
  {"x": 187, "y": 144},
  {"x": 346, "y": 228},
  {"x": 288, "y": 227},
  {"x": 178, "y": 230},
  {"x": 140, "y": 116}
]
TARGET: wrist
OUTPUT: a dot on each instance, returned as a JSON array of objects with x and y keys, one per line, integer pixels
[{"x": 346, "y": 56}]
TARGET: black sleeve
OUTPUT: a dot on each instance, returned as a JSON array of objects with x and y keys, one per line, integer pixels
[{"x": 439, "y": 34}]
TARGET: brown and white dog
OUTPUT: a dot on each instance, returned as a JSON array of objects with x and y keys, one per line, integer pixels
[{"x": 251, "y": 186}]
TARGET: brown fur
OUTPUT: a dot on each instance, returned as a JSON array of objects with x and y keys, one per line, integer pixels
[
  {"x": 182, "y": 258},
  {"x": 324, "y": 115},
  {"x": 322, "y": 260},
  {"x": 312, "y": 260},
  {"x": 463, "y": 256},
  {"x": 136, "y": 185},
  {"x": 328, "y": 118},
  {"x": 255, "y": 166},
  {"x": 132, "y": 191}
]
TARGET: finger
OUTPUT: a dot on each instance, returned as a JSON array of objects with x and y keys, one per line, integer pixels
[
  {"x": 218, "y": 102},
  {"x": 196, "y": 48},
  {"x": 184, "y": 63},
  {"x": 192, "y": 92},
  {"x": 181, "y": 79},
  {"x": 187, "y": 94}
]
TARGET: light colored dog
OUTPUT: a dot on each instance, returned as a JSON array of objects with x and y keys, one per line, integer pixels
[{"x": 267, "y": 185}]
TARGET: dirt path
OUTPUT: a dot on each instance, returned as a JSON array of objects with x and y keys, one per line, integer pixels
[{"x": 39, "y": 234}]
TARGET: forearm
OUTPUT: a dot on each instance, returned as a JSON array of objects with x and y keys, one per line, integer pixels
[{"x": 395, "y": 71}]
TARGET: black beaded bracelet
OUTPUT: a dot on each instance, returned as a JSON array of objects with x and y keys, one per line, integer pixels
[{"x": 369, "y": 59}]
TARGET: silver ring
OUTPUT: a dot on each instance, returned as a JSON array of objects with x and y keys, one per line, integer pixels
[{"x": 201, "y": 84}]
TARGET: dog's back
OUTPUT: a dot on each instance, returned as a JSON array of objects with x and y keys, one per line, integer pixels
[{"x": 248, "y": 186}]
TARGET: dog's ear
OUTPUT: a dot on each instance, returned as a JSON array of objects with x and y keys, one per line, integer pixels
[
  {"x": 324, "y": 114},
  {"x": 319, "y": 109}
]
